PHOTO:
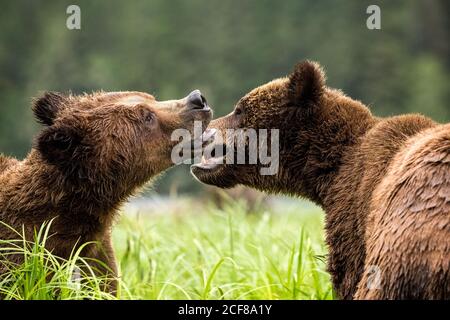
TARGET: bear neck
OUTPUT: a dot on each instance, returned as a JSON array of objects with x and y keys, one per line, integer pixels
[
  {"x": 332, "y": 169},
  {"x": 43, "y": 191},
  {"x": 330, "y": 139}
]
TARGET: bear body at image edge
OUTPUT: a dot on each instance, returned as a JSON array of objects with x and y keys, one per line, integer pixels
[
  {"x": 94, "y": 152},
  {"x": 384, "y": 183}
]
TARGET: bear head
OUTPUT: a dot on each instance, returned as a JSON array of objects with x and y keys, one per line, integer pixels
[
  {"x": 115, "y": 140},
  {"x": 314, "y": 124}
]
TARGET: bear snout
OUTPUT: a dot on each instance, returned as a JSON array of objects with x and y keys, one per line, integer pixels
[{"x": 195, "y": 100}]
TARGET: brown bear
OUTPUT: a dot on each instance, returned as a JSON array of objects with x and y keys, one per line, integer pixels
[
  {"x": 95, "y": 151},
  {"x": 384, "y": 183}
]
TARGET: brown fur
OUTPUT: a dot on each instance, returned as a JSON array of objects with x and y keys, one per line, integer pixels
[
  {"x": 6, "y": 162},
  {"x": 94, "y": 152},
  {"x": 383, "y": 183}
]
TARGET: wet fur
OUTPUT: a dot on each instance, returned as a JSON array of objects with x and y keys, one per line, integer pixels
[
  {"x": 93, "y": 153},
  {"x": 384, "y": 183}
]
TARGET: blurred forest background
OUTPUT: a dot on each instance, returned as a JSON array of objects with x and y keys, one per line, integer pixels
[{"x": 224, "y": 48}]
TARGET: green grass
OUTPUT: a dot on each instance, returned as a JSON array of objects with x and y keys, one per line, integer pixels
[
  {"x": 43, "y": 276},
  {"x": 190, "y": 253}
]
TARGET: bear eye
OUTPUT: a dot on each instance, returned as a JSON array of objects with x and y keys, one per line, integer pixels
[{"x": 149, "y": 117}]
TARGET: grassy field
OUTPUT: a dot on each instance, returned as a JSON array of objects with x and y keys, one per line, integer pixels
[{"x": 193, "y": 251}]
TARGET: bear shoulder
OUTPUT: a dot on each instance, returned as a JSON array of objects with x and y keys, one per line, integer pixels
[
  {"x": 418, "y": 180},
  {"x": 410, "y": 214}
]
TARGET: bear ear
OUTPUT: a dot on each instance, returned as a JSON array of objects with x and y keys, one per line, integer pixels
[
  {"x": 58, "y": 145},
  {"x": 47, "y": 107},
  {"x": 306, "y": 83}
]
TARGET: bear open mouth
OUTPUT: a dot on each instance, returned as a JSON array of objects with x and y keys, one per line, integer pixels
[
  {"x": 210, "y": 163},
  {"x": 209, "y": 159},
  {"x": 197, "y": 145}
]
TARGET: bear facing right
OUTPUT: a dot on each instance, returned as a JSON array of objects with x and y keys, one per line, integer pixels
[
  {"x": 94, "y": 152},
  {"x": 384, "y": 183}
]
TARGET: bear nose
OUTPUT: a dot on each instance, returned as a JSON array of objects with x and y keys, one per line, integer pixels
[{"x": 196, "y": 100}]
